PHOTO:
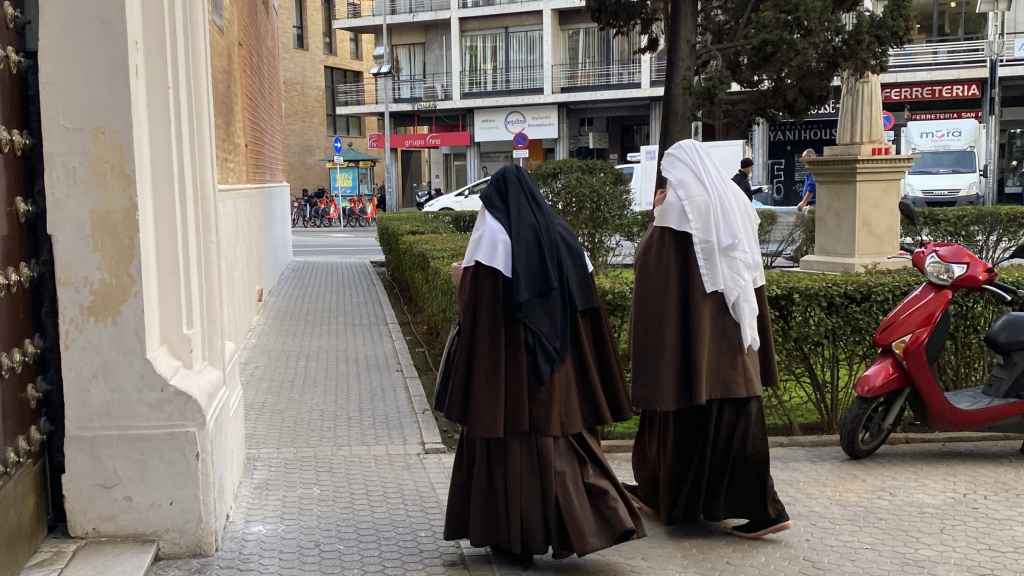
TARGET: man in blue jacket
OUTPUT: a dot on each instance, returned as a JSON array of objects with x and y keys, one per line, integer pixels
[{"x": 810, "y": 191}]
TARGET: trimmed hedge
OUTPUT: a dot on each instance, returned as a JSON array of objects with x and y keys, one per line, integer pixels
[{"x": 823, "y": 323}]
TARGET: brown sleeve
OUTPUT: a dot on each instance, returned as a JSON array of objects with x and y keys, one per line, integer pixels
[
  {"x": 478, "y": 386},
  {"x": 766, "y": 353}
]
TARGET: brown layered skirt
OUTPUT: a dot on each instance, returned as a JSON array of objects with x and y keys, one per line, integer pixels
[
  {"x": 529, "y": 474},
  {"x": 701, "y": 451},
  {"x": 706, "y": 462}
]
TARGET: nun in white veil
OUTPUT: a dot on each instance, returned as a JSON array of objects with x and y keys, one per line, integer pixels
[{"x": 702, "y": 352}]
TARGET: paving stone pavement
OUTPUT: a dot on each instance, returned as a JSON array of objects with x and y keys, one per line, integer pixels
[
  {"x": 337, "y": 482},
  {"x": 933, "y": 509}
]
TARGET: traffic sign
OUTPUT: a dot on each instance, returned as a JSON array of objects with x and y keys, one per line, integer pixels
[
  {"x": 520, "y": 153},
  {"x": 337, "y": 145},
  {"x": 520, "y": 141},
  {"x": 888, "y": 120}
]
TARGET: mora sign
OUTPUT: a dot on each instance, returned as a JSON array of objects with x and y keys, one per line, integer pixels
[
  {"x": 927, "y": 92},
  {"x": 434, "y": 140}
]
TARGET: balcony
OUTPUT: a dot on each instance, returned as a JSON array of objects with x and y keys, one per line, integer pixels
[
  {"x": 490, "y": 3},
  {"x": 582, "y": 77},
  {"x": 418, "y": 88},
  {"x": 421, "y": 88},
  {"x": 938, "y": 55},
  {"x": 366, "y": 8},
  {"x": 658, "y": 67},
  {"x": 501, "y": 81}
]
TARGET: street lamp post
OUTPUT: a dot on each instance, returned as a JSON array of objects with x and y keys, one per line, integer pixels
[
  {"x": 994, "y": 46},
  {"x": 382, "y": 71}
]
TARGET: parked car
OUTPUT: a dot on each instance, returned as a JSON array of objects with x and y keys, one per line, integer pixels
[{"x": 466, "y": 198}]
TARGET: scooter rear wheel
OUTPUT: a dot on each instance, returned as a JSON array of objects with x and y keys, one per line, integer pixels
[{"x": 861, "y": 432}]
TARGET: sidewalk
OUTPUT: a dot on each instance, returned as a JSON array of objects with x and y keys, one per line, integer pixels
[
  {"x": 338, "y": 480},
  {"x": 335, "y": 478}
]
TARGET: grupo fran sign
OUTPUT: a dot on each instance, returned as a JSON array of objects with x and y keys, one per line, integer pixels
[
  {"x": 969, "y": 90},
  {"x": 433, "y": 140},
  {"x": 501, "y": 124}
]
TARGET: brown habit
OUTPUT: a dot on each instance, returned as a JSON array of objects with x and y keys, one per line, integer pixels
[
  {"x": 701, "y": 451},
  {"x": 529, "y": 474}
]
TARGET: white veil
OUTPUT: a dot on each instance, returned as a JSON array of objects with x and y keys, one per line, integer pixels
[{"x": 719, "y": 216}]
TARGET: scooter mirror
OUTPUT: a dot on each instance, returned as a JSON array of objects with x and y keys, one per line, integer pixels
[{"x": 908, "y": 212}]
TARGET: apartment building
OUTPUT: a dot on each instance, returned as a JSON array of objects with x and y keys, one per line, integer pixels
[
  {"x": 315, "y": 58},
  {"x": 474, "y": 72}
]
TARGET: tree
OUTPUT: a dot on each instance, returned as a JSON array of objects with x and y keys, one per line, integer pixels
[
  {"x": 782, "y": 54},
  {"x": 593, "y": 198}
]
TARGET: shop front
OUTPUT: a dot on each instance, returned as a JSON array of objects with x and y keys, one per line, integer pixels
[
  {"x": 608, "y": 132},
  {"x": 786, "y": 142},
  {"x": 494, "y": 128},
  {"x": 432, "y": 160}
]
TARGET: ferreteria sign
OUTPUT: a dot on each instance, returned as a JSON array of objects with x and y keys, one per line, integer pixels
[{"x": 969, "y": 90}]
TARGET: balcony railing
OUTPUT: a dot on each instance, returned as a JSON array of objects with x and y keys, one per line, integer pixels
[
  {"x": 424, "y": 87},
  {"x": 658, "y": 67},
  {"x": 494, "y": 81},
  {"x": 1010, "y": 57},
  {"x": 356, "y": 93},
  {"x": 572, "y": 77},
  {"x": 489, "y": 3},
  {"x": 419, "y": 88},
  {"x": 938, "y": 55},
  {"x": 365, "y": 8}
]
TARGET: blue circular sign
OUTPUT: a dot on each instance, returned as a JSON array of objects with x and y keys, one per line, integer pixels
[
  {"x": 520, "y": 140},
  {"x": 337, "y": 144},
  {"x": 888, "y": 120}
]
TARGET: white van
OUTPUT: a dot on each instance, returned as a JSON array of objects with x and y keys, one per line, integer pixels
[{"x": 948, "y": 160}]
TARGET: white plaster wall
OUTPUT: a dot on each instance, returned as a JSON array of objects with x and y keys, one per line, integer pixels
[
  {"x": 256, "y": 246},
  {"x": 155, "y": 419}
]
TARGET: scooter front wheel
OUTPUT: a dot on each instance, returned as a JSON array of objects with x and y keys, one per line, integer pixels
[{"x": 862, "y": 430}]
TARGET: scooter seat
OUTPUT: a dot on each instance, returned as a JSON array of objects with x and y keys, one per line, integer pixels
[{"x": 1006, "y": 334}]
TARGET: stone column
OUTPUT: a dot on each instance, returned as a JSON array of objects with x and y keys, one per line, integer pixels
[{"x": 857, "y": 221}]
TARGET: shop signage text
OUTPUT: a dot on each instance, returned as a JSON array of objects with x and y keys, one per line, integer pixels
[
  {"x": 945, "y": 115},
  {"x": 501, "y": 124},
  {"x": 927, "y": 92},
  {"x": 433, "y": 140}
]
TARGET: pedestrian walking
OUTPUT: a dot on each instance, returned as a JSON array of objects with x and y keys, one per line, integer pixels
[
  {"x": 810, "y": 190},
  {"x": 702, "y": 351},
  {"x": 534, "y": 375},
  {"x": 742, "y": 178}
]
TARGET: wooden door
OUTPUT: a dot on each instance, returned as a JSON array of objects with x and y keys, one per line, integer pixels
[{"x": 28, "y": 365}]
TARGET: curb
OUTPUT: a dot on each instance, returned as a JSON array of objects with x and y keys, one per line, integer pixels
[
  {"x": 832, "y": 440},
  {"x": 429, "y": 433}
]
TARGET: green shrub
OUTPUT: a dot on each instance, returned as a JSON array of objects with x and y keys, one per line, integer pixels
[
  {"x": 594, "y": 199},
  {"x": 991, "y": 232},
  {"x": 823, "y": 323}
]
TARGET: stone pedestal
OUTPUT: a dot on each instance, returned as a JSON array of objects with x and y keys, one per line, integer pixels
[{"x": 857, "y": 219}]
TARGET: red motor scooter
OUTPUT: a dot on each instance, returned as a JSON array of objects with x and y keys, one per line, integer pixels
[{"x": 910, "y": 341}]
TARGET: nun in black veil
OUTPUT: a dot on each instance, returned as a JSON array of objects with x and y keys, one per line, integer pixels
[{"x": 535, "y": 374}]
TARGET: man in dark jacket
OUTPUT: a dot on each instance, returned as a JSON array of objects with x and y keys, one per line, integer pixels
[{"x": 742, "y": 178}]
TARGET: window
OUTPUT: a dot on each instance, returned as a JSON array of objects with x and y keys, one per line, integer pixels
[
  {"x": 355, "y": 45},
  {"x": 328, "y": 16},
  {"x": 937, "y": 20},
  {"x": 341, "y": 88},
  {"x": 299, "y": 25},
  {"x": 409, "y": 67},
  {"x": 504, "y": 60}
]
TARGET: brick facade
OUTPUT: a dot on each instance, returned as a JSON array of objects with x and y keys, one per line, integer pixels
[
  {"x": 248, "y": 116},
  {"x": 307, "y": 137}
]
